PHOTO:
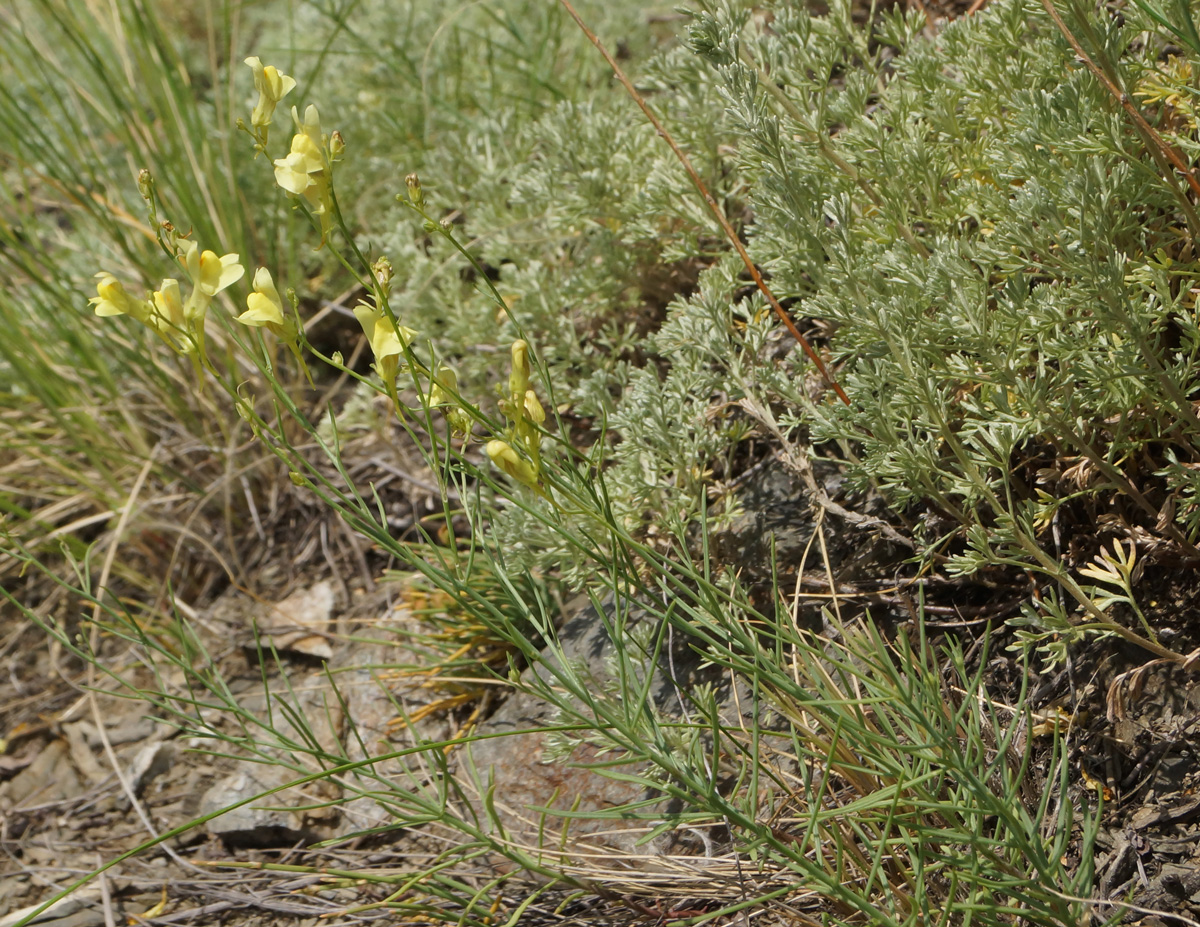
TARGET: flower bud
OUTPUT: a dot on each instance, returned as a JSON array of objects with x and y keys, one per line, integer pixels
[
  {"x": 337, "y": 145},
  {"x": 512, "y": 463},
  {"x": 415, "y": 194},
  {"x": 533, "y": 408},
  {"x": 382, "y": 271},
  {"x": 145, "y": 184},
  {"x": 518, "y": 380}
]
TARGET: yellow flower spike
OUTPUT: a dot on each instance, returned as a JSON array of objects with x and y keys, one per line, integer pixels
[
  {"x": 512, "y": 463},
  {"x": 111, "y": 299},
  {"x": 272, "y": 86},
  {"x": 533, "y": 408},
  {"x": 387, "y": 341},
  {"x": 306, "y": 170}
]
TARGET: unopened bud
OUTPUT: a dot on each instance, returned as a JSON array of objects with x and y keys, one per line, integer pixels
[
  {"x": 415, "y": 194},
  {"x": 533, "y": 408},
  {"x": 337, "y": 145},
  {"x": 512, "y": 463},
  {"x": 382, "y": 270},
  {"x": 145, "y": 184},
  {"x": 518, "y": 380}
]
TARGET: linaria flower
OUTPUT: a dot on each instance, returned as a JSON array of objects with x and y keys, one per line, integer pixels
[
  {"x": 305, "y": 171},
  {"x": 443, "y": 394},
  {"x": 264, "y": 308},
  {"x": 209, "y": 274},
  {"x": 168, "y": 307},
  {"x": 272, "y": 86},
  {"x": 387, "y": 341},
  {"x": 111, "y": 299},
  {"x": 503, "y": 456}
]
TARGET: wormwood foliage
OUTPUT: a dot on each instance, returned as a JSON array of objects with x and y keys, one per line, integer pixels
[{"x": 1007, "y": 267}]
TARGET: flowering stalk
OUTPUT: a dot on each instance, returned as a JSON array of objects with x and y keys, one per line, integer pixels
[
  {"x": 307, "y": 171},
  {"x": 387, "y": 338},
  {"x": 526, "y": 415}
]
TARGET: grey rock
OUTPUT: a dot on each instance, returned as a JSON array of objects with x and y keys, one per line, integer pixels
[
  {"x": 49, "y": 778},
  {"x": 370, "y": 707},
  {"x": 265, "y": 822},
  {"x": 279, "y": 818}
]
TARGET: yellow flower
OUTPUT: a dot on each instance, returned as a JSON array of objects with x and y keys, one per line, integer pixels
[
  {"x": 272, "y": 86},
  {"x": 209, "y": 275},
  {"x": 169, "y": 306},
  {"x": 512, "y": 463},
  {"x": 307, "y": 157},
  {"x": 294, "y": 173},
  {"x": 111, "y": 299},
  {"x": 264, "y": 308},
  {"x": 443, "y": 394},
  {"x": 310, "y": 127},
  {"x": 387, "y": 341}
]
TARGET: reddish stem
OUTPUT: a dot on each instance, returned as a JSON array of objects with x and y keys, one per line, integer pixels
[{"x": 730, "y": 232}]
